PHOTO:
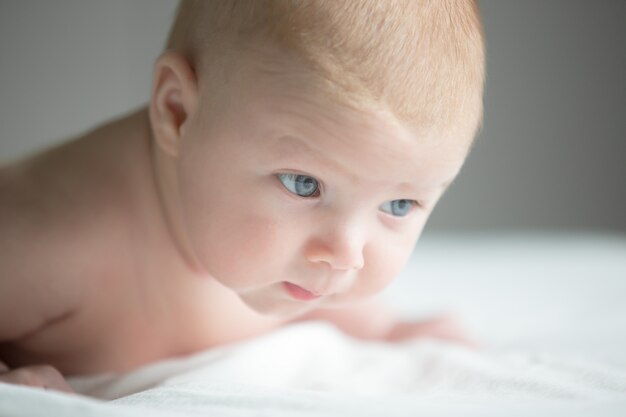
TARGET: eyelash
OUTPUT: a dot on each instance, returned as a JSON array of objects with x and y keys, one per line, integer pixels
[
  {"x": 414, "y": 205},
  {"x": 318, "y": 191},
  {"x": 294, "y": 177}
]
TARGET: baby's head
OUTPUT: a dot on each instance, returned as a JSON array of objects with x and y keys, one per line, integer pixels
[{"x": 302, "y": 144}]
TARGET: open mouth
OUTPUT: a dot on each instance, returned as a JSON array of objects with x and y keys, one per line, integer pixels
[{"x": 300, "y": 293}]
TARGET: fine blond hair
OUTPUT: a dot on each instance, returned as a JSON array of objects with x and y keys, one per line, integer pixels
[{"x": 422, "y": 60}]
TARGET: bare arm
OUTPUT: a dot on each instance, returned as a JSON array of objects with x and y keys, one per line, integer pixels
[
  {"x": 28, "y": 297},
  {"x": 36, "y": 260}
]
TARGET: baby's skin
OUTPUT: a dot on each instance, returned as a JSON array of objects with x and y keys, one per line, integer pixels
[{"x": 183, "y": 226}]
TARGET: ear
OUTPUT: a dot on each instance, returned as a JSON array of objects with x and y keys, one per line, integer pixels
[{"x": 173, "y": 101}]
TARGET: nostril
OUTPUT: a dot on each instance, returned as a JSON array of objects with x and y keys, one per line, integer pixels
[
  {"x": 348, "y": 263},
  {"x": 339, "y": 253}
]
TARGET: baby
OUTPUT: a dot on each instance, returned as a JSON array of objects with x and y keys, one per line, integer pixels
[{"x": 283, "y": 169}]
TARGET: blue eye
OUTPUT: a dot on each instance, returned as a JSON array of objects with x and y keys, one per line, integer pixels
[
  {"x": 399, "y": 208},
  {"x": 301, "y": 185}
]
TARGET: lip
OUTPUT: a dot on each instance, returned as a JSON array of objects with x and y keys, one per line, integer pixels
[{"x": 300, "y": 293}]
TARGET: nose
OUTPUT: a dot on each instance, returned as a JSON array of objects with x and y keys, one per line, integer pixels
[{"x": 342, "y": 248}]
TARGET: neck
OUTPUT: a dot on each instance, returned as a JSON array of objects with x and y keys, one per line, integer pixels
[{"x": 164, "y": 176}]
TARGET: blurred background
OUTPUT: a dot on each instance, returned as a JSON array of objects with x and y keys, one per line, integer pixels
[{"x": 551, "y": 155}]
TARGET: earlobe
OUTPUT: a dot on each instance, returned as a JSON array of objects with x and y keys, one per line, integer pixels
[{"x": 173, "y": 100}]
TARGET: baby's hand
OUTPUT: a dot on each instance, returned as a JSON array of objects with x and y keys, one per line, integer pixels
[
  {"x": 42, "y": 376},
  {"x": 444, "y": 327},
  {"x": 376, "y": 321}
]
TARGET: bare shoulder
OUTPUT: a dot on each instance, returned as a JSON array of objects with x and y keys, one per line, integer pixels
[{"x": 32, "y": 289}]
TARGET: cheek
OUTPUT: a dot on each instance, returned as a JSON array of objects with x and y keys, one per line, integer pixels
[
  {"x": 243, "y": 255},
  {"x": 239, "y": 249},
  {"x": 239, "y": 241},
  {"x": 384, "y": 262}
]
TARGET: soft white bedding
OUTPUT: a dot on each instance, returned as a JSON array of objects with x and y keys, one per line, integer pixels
[{"x": 550, "y": 310}]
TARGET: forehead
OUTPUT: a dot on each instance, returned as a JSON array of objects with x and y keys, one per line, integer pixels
[
  {"x": 275, "y": 73},
  {"x": 296, "y": 118},
  {"x": 368, "y": 149}
]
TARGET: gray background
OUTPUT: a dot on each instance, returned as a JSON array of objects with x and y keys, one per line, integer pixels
[{"x": 551, "y": 156}]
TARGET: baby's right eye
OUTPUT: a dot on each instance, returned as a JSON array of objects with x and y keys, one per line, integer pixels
[{"x": 301, "y": 185}]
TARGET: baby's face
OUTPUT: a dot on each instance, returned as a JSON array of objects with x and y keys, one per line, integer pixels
[{"x": 294, "y": 204}]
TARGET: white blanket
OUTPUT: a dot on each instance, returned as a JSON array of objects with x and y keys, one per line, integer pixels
[{"x": 550, "y": 311}]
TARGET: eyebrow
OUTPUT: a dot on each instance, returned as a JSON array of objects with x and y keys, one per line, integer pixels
[
  {"x": 289, "y": 145},
  {"x": 289, "y": 142}
]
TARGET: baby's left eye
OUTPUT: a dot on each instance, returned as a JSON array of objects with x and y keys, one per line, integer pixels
[{"x": 398, "y": 208}]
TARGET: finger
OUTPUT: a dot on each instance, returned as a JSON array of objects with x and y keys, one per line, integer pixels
[
  {"x": 53, "y": 379},
  {"x": 42, "y": 376}
]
